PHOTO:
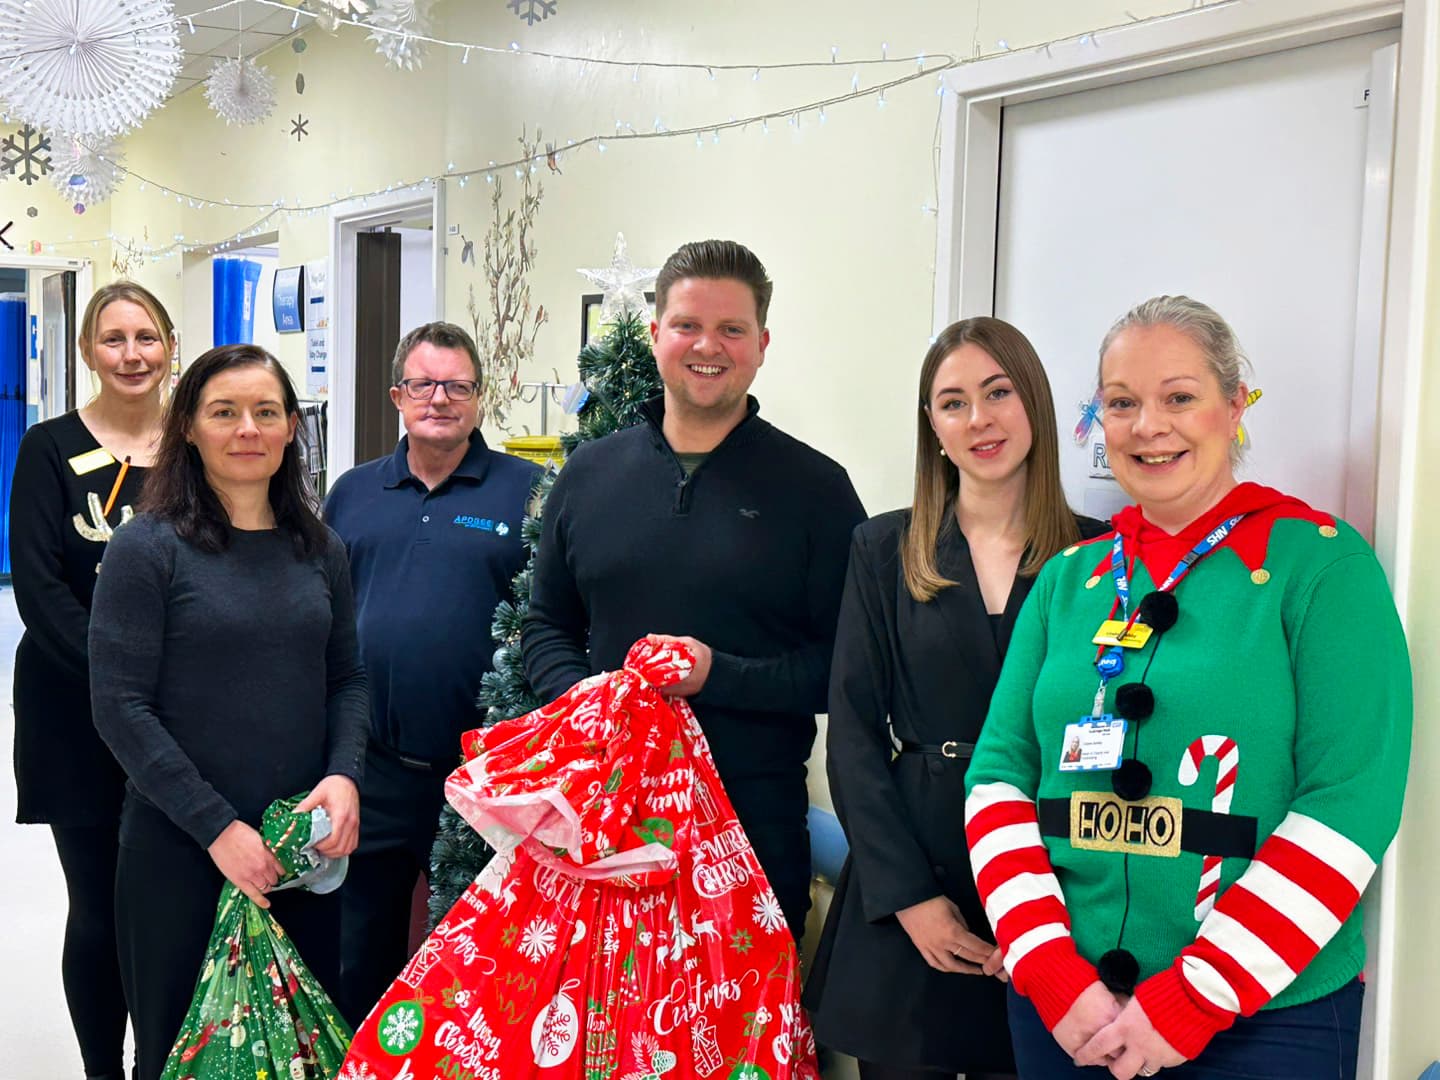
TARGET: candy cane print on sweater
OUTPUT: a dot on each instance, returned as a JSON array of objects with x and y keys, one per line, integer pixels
[
  {"x": 1227, "y": 755},
  {"x": 1291, "y": 900},
  {"x": 1022, "y": 899}
]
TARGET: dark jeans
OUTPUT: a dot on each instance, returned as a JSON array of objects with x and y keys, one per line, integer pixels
[{"x": 1319, "y": 1040}]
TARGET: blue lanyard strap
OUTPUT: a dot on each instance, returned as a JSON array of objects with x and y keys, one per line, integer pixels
[{"x": 1211, "y": 541}]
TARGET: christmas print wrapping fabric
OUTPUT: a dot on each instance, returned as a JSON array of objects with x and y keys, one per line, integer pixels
[
  {"x": 258, "y": 1013},
  {"x": 625, "y": 930}
]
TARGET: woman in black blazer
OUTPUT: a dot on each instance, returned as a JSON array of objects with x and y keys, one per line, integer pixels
[
  {"x": 77, "y": 477},
  {"x": 907, "y": 977}
]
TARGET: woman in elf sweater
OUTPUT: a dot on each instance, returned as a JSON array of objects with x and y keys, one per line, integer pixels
[{"x": 1185, "y": 895}]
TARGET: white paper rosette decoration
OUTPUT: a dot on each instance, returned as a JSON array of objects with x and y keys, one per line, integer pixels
[
  {"x": 240, "y": 90},
  {"x": 87, "y": 67},
  {"x": 86, "y": 173},
  {"x": 401, "y": 18}
]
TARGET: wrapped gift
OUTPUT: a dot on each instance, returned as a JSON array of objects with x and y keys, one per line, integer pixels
[
  {"x": 257, "y": 1010},
  {"x": 625, "y": 930}
]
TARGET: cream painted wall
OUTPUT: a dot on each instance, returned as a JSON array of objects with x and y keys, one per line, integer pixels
[{"x": 835, "y": 211}]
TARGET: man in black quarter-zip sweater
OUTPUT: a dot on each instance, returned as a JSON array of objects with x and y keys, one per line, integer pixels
[{"x": 708, "y": 525}]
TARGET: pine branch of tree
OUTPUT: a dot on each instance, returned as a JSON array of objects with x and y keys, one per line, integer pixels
[{"x": 620, "y": 373}]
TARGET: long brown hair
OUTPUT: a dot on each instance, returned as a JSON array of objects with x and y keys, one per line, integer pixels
[
  {"x": 176, "y": 489},
  {"x": 1049, "y": 524}
]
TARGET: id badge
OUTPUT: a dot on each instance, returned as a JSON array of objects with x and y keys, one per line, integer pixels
[
  {"x": 91, "y": 460},
  {"x": 1112, "y": 632},
  {"x": 1093, "y": 743}
]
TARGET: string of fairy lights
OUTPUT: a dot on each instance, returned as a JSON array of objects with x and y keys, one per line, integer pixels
[{"x": 814, "y": 111}]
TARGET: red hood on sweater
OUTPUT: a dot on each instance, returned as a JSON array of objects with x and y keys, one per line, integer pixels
[{"x": 1160, "y": 551}]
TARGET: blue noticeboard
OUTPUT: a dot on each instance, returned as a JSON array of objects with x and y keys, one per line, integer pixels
[{"x": 288, "y": 300}]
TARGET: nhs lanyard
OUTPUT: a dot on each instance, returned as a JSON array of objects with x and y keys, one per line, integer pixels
[
  {"x": 1111, "y": 661},
  {"x": 1212, "y": 540}
]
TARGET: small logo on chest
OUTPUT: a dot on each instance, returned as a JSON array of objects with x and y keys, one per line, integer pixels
[
  {"x": 751, "y": 514},
  {"x": 490, "y": 525}
]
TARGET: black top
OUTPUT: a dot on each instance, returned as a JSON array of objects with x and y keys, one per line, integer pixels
[
  {"x": 63, "y": 772},
  {"x": 925, "y": 672},
  {"x": 225, "y": 681},
  {"x": 747, "y": 554},
  {"x": 428, "y": 569}
]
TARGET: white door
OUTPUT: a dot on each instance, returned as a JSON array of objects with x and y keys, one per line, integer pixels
[{"x": 1242, "y": 184}]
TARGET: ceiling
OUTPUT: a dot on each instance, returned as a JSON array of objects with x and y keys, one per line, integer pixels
[{"x": 218, "y": 34}]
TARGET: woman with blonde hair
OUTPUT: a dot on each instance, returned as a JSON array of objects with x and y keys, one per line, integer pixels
[
  {"x": 1186, "y": 896},
  {"x": 931, "y": 597},
  {"x": 77, "y": 476}
]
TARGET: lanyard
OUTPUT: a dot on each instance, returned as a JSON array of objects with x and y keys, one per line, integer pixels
[
  {"x": 1111, "y": 662},
  {"x": 1212, "y": 540}
]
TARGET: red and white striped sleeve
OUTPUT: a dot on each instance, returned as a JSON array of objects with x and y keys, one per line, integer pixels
[
  {"x": 1023, "y": 900},
  {"x": 1301, "y": 887}
]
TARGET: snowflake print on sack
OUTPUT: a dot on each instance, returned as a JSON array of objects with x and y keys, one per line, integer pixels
[
  {"x": 538, "y": 941},
  {"x": 352, "y": 1071},
  {"x": 768, "y": 913},
  {"x": 400, "y": 1028}
]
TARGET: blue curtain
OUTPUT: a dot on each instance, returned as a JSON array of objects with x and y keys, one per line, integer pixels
[
  {"x": 12, "y": 405},
  {"x": 236, "y": 281}
]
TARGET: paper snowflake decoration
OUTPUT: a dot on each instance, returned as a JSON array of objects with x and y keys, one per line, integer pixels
[
  {"x": 87, "y": 67},
  {"x": 240, "y": 90},
  {"x": 396, "y": 22},
  {"x": 87, "y": 173}
]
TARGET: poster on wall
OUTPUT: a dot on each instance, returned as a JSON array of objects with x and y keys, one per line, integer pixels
[
  {"x": 317, "y": 330},
  {"x": 288, "y": 297}
]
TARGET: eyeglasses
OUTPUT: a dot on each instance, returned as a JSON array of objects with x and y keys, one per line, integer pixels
[{"x": 424, "y": 389}]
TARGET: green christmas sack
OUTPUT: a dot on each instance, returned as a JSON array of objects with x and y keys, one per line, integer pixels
[{"x": 258, "y": 1013}]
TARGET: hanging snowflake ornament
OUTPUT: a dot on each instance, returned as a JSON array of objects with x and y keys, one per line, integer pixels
[
  {"x": 240, "y": 90},
  {"x": 86, "y": 173},
  {"x": 396, "y": 22},
  {"x": 532, "y": 11},
  {"x": 87, "y": 67},
  {"x": 25, "y": 156},
  {"x": 623, "y": 284}
]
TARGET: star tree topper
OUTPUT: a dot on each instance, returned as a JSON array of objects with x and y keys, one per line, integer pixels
[{"x": 623, "y": 284}]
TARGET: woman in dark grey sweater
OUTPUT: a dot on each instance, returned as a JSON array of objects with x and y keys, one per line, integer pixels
[{"x": 224, "y": 675}]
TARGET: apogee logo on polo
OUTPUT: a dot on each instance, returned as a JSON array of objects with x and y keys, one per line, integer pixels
[{"x": 468, "y": 521}]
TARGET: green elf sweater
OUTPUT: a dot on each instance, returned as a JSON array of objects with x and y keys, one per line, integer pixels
[{"x": 1277, "y": 753}]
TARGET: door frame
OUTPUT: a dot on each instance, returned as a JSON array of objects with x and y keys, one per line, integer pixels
[
  {"x": 84, "y": 271},
  {"x": 347, "y": 219},
  {"x": 966, "y": 229}
]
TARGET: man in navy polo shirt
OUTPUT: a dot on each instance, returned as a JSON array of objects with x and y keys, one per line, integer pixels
[{"x": 433, "y": 532}]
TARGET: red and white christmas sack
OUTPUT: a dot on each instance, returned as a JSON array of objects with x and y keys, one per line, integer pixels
[{"x": 625, "y": 930}]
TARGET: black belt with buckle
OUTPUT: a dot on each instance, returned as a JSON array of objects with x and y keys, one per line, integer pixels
[
  {"x": 1202, "y": 832},
  {"x": 949, "y": 749}
]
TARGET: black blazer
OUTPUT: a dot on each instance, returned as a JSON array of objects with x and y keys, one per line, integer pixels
[{"x": 925, "y": 672}]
